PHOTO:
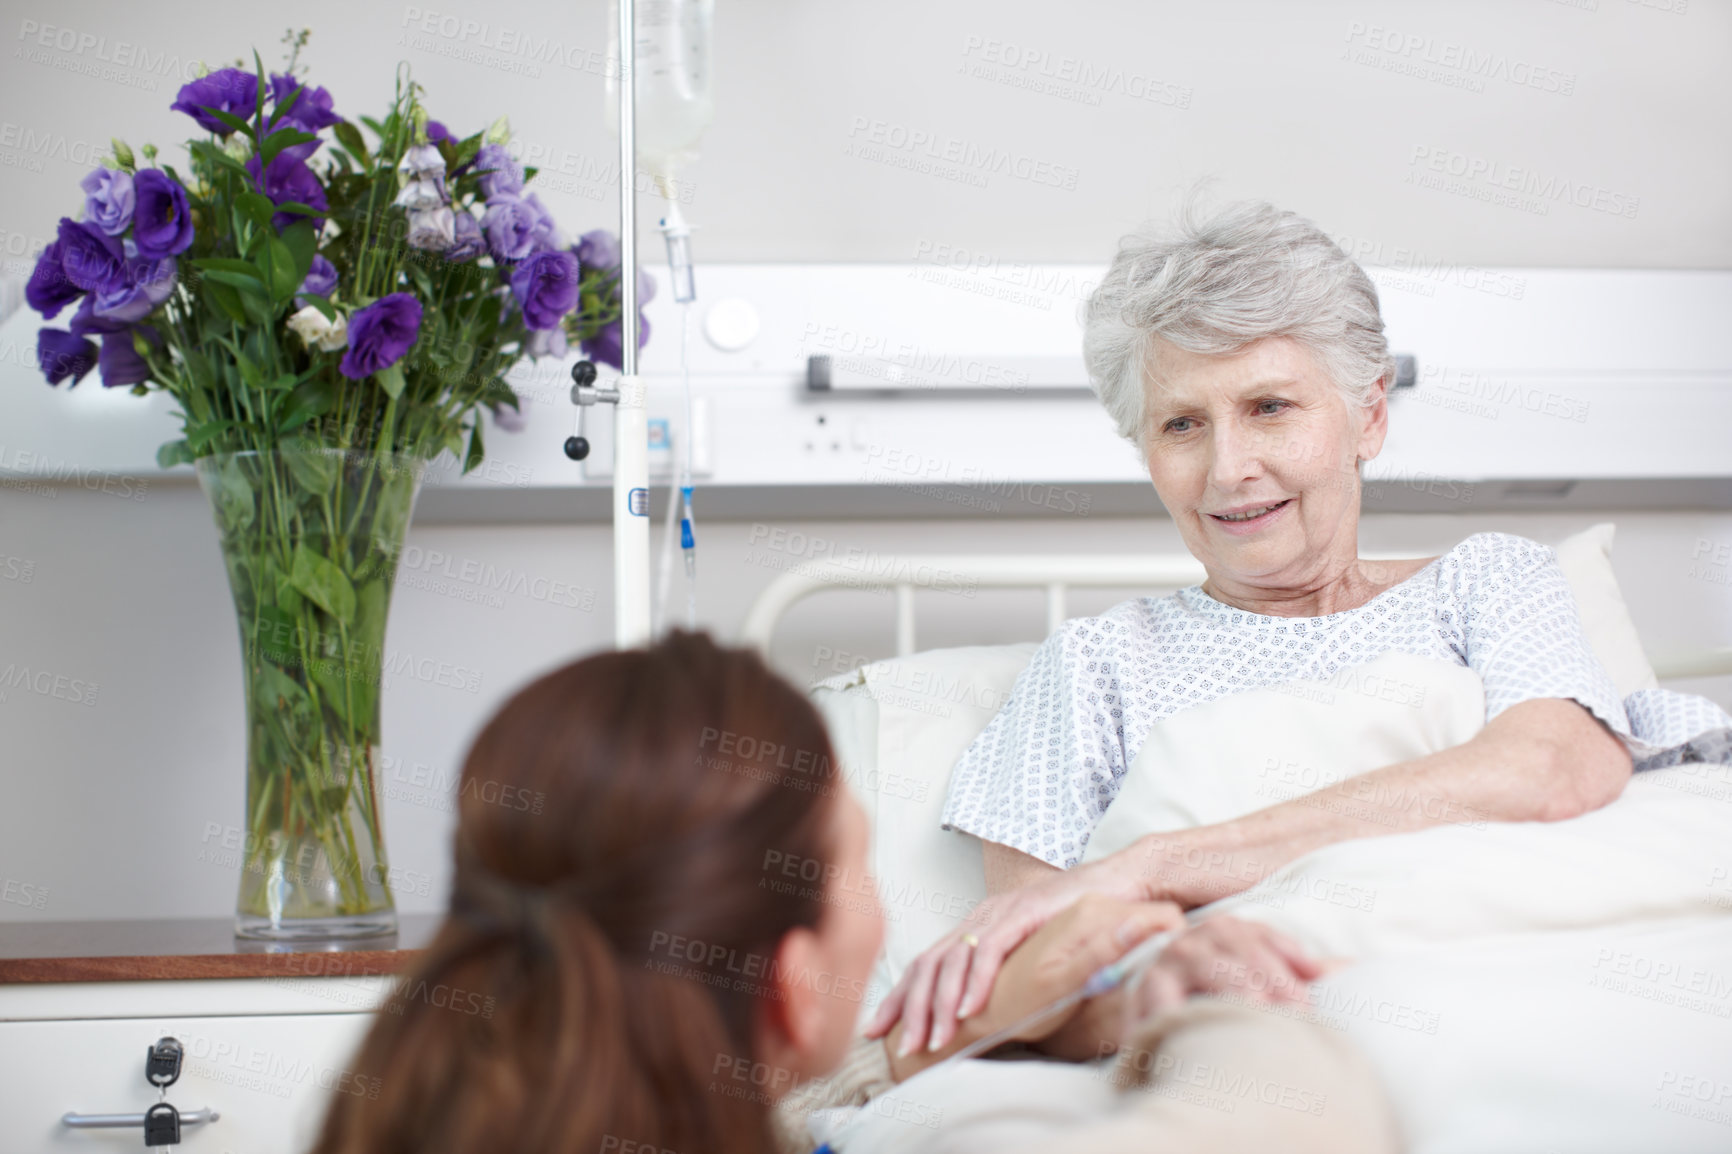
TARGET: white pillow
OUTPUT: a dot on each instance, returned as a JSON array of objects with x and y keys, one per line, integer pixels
[
  {"x": 1586, "y": 559},
  {"x": 928, "y": 708}
]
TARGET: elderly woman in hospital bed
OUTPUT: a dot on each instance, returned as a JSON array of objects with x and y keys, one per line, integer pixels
[{"x": 1247, "y": 361}]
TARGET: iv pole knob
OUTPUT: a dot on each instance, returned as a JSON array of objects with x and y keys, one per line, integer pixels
[
  {"x": 583, "y": 373},
  {"x": 577, "y": 448}
]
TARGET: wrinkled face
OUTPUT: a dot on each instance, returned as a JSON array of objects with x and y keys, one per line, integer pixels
[{"x": 1255, "y": 455}]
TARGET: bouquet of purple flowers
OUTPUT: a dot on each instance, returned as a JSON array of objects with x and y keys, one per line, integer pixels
[
  {"x": 294, "y": 287},
  {"x": 330, "y": 313}
]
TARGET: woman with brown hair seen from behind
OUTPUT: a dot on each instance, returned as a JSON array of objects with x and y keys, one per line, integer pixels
[{"x": 625, "y": 968}]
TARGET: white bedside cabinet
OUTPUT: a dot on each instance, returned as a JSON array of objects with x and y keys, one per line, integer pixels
[{"x": 266, "y": 1033}]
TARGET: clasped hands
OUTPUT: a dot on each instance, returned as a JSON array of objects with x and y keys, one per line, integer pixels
[{"x": 1223, "y": 955}]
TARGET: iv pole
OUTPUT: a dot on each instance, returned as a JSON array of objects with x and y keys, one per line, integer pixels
[{"x": 631, "y": 522}]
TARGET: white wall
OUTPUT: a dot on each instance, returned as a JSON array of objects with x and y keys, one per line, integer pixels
[{"x": 107, "y": 806}]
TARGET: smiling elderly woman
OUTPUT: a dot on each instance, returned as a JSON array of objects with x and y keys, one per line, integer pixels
[{"x": 1246, "y": 359}]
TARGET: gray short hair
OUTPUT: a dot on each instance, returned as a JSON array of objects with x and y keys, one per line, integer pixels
[{"x": 1249, "y": 272}]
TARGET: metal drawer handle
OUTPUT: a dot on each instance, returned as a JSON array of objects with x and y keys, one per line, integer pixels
[{"x": 117, "y": 1121}]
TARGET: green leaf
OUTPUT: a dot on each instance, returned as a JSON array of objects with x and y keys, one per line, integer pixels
[
  {"x": 223, "y": 300},
  {"x": 274, "y": 628},
  {"x": 256, "y": 207},
  {"x": 350, "y": 138},
  {"x": 310, "y": 399},
  {"x": 279, "y": 264},
  {"x": 320, "y": 581},
  {"x": 302, "y": 241},
  {"x": 298, "y": 209},
  {"x": 244, "y": 268},
  {"x": 391, "y": 380},
  {"x": 172, "y": 453},
  {"x": 211, "y": 154},
  {"x": 231, "y": 120},
  {"x": 315, "y": 471},
  {"x": 233, "y": 497},
  {"x": 253, "y": 283},
  {"x": 320, "y": 303},
  {"x": 280, "y": 139},
  {"x": 473, "y": 457},
  {"x": 287, "y": 598},
  {"x": 200, "y": 436}
]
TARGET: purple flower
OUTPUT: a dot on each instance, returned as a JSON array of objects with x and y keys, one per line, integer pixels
[
  {"x": 546, "y": 234},
  {"x": 380, "y": 334},
  {"x": 321, "y": 279},
  {"x": 598, "y": 248},
  {"x": 511, "y": 226},
  {"x": 467, "y": 242},
  {"x": 437, "y": 133},
  {"x": 59, "y": 355},
  {"x": 288, "y": 178},
  {"x": 89, "y": 257},
  {"x": 608, "y": 345},
  {"x": 136, "y": 291},
  {"x": 162, "y": 222},
  {"x": 545, "y": 286},
  {"x": 500, "y": 174},
  {"x": 48, "y": 290},
  {"x": 311, "y": 110},
  {"x": 86, "y": 323},
  {"x": 119, "y": 360},
  {"x": 226, "y": 90},
  {"x": 108, "y": 200}
]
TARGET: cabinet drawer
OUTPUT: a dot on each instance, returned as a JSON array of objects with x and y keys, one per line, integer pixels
[{"x": 268, "y": 1077}]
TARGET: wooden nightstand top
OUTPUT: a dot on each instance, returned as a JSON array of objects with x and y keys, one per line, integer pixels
[{"x": 193, "y": 948}]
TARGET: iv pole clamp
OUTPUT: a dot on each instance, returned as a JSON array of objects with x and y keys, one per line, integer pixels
[{"x": 584, "y": 393}]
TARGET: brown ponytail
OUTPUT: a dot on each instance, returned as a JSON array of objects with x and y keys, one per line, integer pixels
[{"x": 597, "y": 823}]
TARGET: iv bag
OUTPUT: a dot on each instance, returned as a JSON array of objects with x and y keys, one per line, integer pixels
[{"x": 672, "y": 86}]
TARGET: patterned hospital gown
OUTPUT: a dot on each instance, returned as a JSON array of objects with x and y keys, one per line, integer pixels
[{"x": 1046, "y": 767}]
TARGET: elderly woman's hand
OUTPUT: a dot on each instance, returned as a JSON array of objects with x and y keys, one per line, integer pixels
[
  {"x": 931, "y": 997},
  {"x": 1056, "y": 960}
]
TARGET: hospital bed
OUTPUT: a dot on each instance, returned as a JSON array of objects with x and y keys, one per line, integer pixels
[{"x": 1525, "y": 1041}]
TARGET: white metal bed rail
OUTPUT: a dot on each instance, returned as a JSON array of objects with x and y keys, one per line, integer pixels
[{"x": 1056, "y": 575}]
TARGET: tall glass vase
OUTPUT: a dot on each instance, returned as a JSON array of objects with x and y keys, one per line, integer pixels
[{"x": 311, "y": 539}]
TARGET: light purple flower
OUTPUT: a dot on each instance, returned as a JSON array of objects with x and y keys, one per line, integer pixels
[
  {"x": 321, "y": 279},
  {"x": 312, "y": 108},
  {"x": 48, "y": 290},
  {"x": 108, "y": 200},
  {"x": 432, "y": 229},
  {"x": 598, "y": 248},
  {"x": 380, "y": 334},
  {"x": 500, "y": 174},
  {"x": 161, "y": 222},
  {"x": 420, "y": 195},
  {"x": 547, "y": 232},
  {"x": 511, "y": 226},
  {"x": 508, "y": 419},
  {"x": 545, "y": 285},
  {"x": 136, "y": 291},
  {"x": 546, "y": 343},
  {"x": 59, "y": 355},
  {"x": 468, "y": 243},
  {"x": 608, "y": 345},
  {"x": 422, "y": 162}
]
